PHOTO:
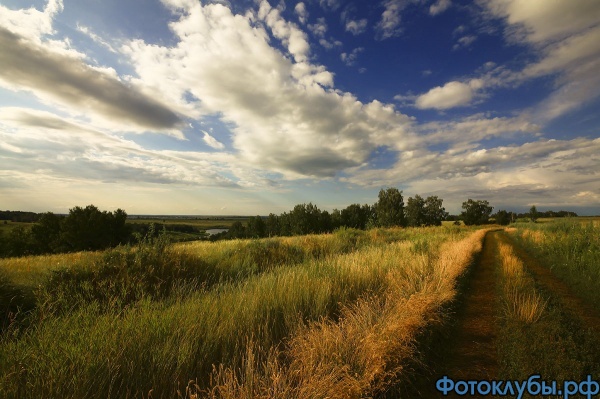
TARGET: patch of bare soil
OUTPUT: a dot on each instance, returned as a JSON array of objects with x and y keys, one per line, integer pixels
[
  {"x": 466, "y": 349},
  {"x": 474, "y": 354}
]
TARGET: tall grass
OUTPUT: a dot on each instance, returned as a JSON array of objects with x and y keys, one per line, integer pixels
[
  {"x": 236, "y": 309},
  {"x": 571, "y": 249},
  {"x": 367, "y": 348},
  {"x": 536, "y": 334},
  {"x": 522, "y": 300}
]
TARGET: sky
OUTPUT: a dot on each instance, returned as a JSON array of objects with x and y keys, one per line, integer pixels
[{"x": 253, "y": 106}]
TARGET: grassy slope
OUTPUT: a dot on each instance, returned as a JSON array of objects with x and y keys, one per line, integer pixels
[{"x": 294, "y": 291}]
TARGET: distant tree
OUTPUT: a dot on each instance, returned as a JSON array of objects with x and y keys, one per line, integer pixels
[
  {"x": 533, "y": 214},
  {"x": 256, "y": 227},
  {"x": 476, "y": 212},
  {"x": 356, "y": 216},
  {"x": 502, "y": 217},
  {"x": 390, "y": 208},
  {"x": 45, "y": 234},
  {"x": 237, "y": 230},
  {"x": 17, "y": 242},
  {"x": 272, "y": 225},
  {"x": 415, "y": 211},
  {"x": 91, "y": 229},
  {"x": 435, "y": 213},
  {"x": 305, "y": 219},
  {"x": 336, "y": 219}
]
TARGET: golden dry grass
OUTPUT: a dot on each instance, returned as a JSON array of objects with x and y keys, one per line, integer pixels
[
  {"x": 364, "y": 350},
  {"x": 523, "y": 302}
]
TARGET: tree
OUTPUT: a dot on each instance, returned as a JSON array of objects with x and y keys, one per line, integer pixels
[
  {"x": 476, "y": 212},
  {"x": 390, "y": 208},
  {"x": 415, "y": 211},
  {"x": 45, "y": 234},
  {"x": 256, "y": 227},
  {"x": 533, "y": 214},
  {"x": 434, "y": 211},
  {"x": 237, "y": 230},
  {"x": 356, "y": 216},
  {"x": 502, "y": 217},
  {"x": 272, "y": 225}
]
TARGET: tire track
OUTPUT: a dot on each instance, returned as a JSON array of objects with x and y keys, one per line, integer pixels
[{"x": 474, "y": 355}]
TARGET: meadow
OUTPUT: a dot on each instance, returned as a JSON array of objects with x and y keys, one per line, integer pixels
[
  {"x": 353, "y": 314},
  {"x": 236, "y": 317}
]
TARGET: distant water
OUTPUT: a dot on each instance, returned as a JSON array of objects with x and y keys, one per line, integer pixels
[{"x": 211, "y": 232}]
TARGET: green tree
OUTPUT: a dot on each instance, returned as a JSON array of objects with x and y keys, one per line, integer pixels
[
  {"x": 272, "y": 225},
  {"x": 415, "y": 211},
  {"x": 356, "y": 216},
  {"x": 476, "y": 212},
  {"x": 305, "y": 219},
  {"x": 533, "y": 214},
  {"x": 256, "y": 227},
  {"x": 502, "y": 217},
  {"x": 434, "y": 211},
  {"x": 237, "y": 230},
  {"x": 390, "y": 208},
  {"x": 45, "y": 234}
]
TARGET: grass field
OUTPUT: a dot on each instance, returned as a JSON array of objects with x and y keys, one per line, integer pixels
[{"x": 378, "y": 313}]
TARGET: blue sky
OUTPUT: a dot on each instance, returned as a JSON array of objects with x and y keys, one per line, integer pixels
[{"x": 250, "y": 107}]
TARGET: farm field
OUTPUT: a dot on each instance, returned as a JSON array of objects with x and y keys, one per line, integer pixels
[{"x": 377, "y": 313}]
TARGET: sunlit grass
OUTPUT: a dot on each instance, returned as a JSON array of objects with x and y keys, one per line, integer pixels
[{"x": 305, "y": 314}]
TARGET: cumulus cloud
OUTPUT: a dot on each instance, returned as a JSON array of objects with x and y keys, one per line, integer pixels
[
  {"x": 284, "y": 115},
  {"x": 350, "y": 58},
  {"x": 356, "y": 27},
  {"x": 31, "y": 23},
  {"x": 389, "y": 25},
  {"x": 439, "y": 7},
  {"x": 319, "y": 28},
  {"x": 512, "y": 175},
  {"x": 452, "y": 94},
  {"x": 301, "y": 12}
]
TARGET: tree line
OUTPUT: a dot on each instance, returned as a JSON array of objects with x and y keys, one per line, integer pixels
[
  {"x": 83, "y": 229},
  {"x": 88, "y": 228},
  {"x": 389, "y": 210}
]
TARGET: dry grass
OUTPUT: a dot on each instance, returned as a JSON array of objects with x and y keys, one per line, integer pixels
[
  {"x": 523, "y": 302},
  {"x": 367, "y": 348}
]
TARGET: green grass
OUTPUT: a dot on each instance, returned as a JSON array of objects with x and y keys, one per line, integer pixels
[
  {"x": 121, "y": 322},
  {"x": 571, "y": 249},
  {"x": 536, "y": 334}
]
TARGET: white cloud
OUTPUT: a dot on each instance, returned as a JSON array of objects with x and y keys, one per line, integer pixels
[
  {"x": 84, "y": 90},
  {"x": 439, "y": 7},
  {"x": 452, "y": 94},
  {"x": 350, "y": 58},
  {"x": 318, "y": 29},
  {"x": 291, "y": 36},
  {"x": 31, "y": 23},
  {"x": 284, "y": 115},
  {"x": 212, "y": 142},
  {"x": 464, "y": 41},
  {"x": 566, "y": 37},
  {"x": 549, "y": 172},
  {"x": 389, "y": 25},
  {"x": 356, "y": 27},
  {"x": 545, "y": 20},
  {"x": 301, "y": 12}
]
